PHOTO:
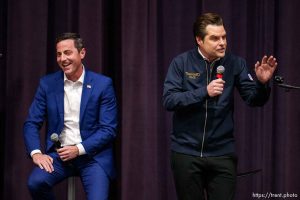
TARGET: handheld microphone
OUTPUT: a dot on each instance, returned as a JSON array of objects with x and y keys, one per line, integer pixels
[
  {"x": 54, "y": 138},
  {"x": 219, "y": 75},
  {"x": 220, "y": 71}
]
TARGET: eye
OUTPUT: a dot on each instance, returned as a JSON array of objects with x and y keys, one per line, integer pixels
[
  {"x": 68, "y": 52},
  {"x": 215, "y": 38}
]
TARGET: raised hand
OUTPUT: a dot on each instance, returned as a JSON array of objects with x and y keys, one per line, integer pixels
[{"x": 264, "y": 70}]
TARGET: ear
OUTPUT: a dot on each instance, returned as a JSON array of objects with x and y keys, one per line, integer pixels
[
  {"x": 82, "y": 53},
  {"x": 199, "y": 40}
]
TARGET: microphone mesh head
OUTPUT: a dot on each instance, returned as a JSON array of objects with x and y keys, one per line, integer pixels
[
  {"x": 54, "y": 137},
  {"x": 220, "y": 69}
]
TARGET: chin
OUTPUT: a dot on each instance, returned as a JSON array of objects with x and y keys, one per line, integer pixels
[
  {"x": 68, "y": 71},
  {"x": 221, "y": 55}
]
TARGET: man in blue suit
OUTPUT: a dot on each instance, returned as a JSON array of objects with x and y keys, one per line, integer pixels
[{"x": 80, "y": 106}]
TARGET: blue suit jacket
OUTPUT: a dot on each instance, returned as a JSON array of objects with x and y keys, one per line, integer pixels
[{"x": 98, "y": 116}]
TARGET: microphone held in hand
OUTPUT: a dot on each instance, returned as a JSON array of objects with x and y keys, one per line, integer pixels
[
  {"x": 220, "y": 71},
  {"x": 219, "y": 75},
  {"x": 55, "y": 139}
]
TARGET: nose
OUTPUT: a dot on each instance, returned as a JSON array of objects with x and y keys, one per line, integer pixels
[
  {"x": 63, "y": 57},
  {"x": 222, "y": 41}
]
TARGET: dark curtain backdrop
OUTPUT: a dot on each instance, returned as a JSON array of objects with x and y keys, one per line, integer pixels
[{"x": 133, "y": 42}]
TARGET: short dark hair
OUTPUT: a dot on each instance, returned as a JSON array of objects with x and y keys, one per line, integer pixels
[
  {"x": 78, "y": 41},
  {"x": 204, "y": 20}
]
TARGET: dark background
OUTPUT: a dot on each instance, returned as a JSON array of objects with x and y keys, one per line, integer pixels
[{"x": 133, "y": 42}]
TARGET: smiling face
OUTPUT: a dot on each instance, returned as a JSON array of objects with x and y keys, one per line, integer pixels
[
  {"x": 214, "y": 43},
  {"x": 69, "y": 58}
]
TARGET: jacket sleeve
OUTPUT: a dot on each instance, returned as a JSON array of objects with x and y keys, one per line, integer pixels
[
  {"x": 175, "y": 93},
  {"x": 252, "y": 92},
  {"x": 35, "y": 120}
]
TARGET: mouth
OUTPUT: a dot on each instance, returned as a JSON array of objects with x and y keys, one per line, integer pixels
[
  {"x": 221, "y": 50},
  {"x": 65, "y": 65}
]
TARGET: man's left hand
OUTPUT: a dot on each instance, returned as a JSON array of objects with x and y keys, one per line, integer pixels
[
  {"x": 68, "y": 152},
  {"x": 264, "y": 70}
]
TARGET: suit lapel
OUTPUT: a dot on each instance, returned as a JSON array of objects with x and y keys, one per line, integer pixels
[
  {"x": 59, "y": 84},
  {"x": 86, "y": 92}
]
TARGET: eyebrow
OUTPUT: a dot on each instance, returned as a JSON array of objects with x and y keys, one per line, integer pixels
[{"x": 216, "y": 37}]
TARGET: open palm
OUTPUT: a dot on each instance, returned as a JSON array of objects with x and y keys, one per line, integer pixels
[{"x": 264, "y": 70}]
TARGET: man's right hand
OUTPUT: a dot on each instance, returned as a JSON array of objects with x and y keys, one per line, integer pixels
[
  {"x": 43, "y": 161},
  {"x": 215, "y": 87}
]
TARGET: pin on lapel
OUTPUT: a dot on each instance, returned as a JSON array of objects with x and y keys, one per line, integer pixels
[{"x": 89, "y": 86}]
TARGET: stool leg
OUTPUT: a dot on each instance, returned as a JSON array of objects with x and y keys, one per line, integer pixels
[{"x": 71, "y": 188}]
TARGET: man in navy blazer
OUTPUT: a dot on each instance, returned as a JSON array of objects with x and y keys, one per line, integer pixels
[{"x": 80, "y": 106}]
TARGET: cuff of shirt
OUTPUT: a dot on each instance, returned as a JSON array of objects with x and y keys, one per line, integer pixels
[
  {"x": 35, "y": 151},
  {"x": 81, "y": 149}
]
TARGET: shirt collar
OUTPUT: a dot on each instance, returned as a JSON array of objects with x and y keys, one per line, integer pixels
[
  {"x": 207, "y": 58},
  {"x": 81, "y": 78}
]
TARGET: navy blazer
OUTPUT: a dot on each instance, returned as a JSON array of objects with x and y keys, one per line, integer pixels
[{"x": 98, "y": 116}]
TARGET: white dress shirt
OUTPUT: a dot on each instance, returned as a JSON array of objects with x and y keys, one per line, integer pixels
[{"x": 70, "y": 134}]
